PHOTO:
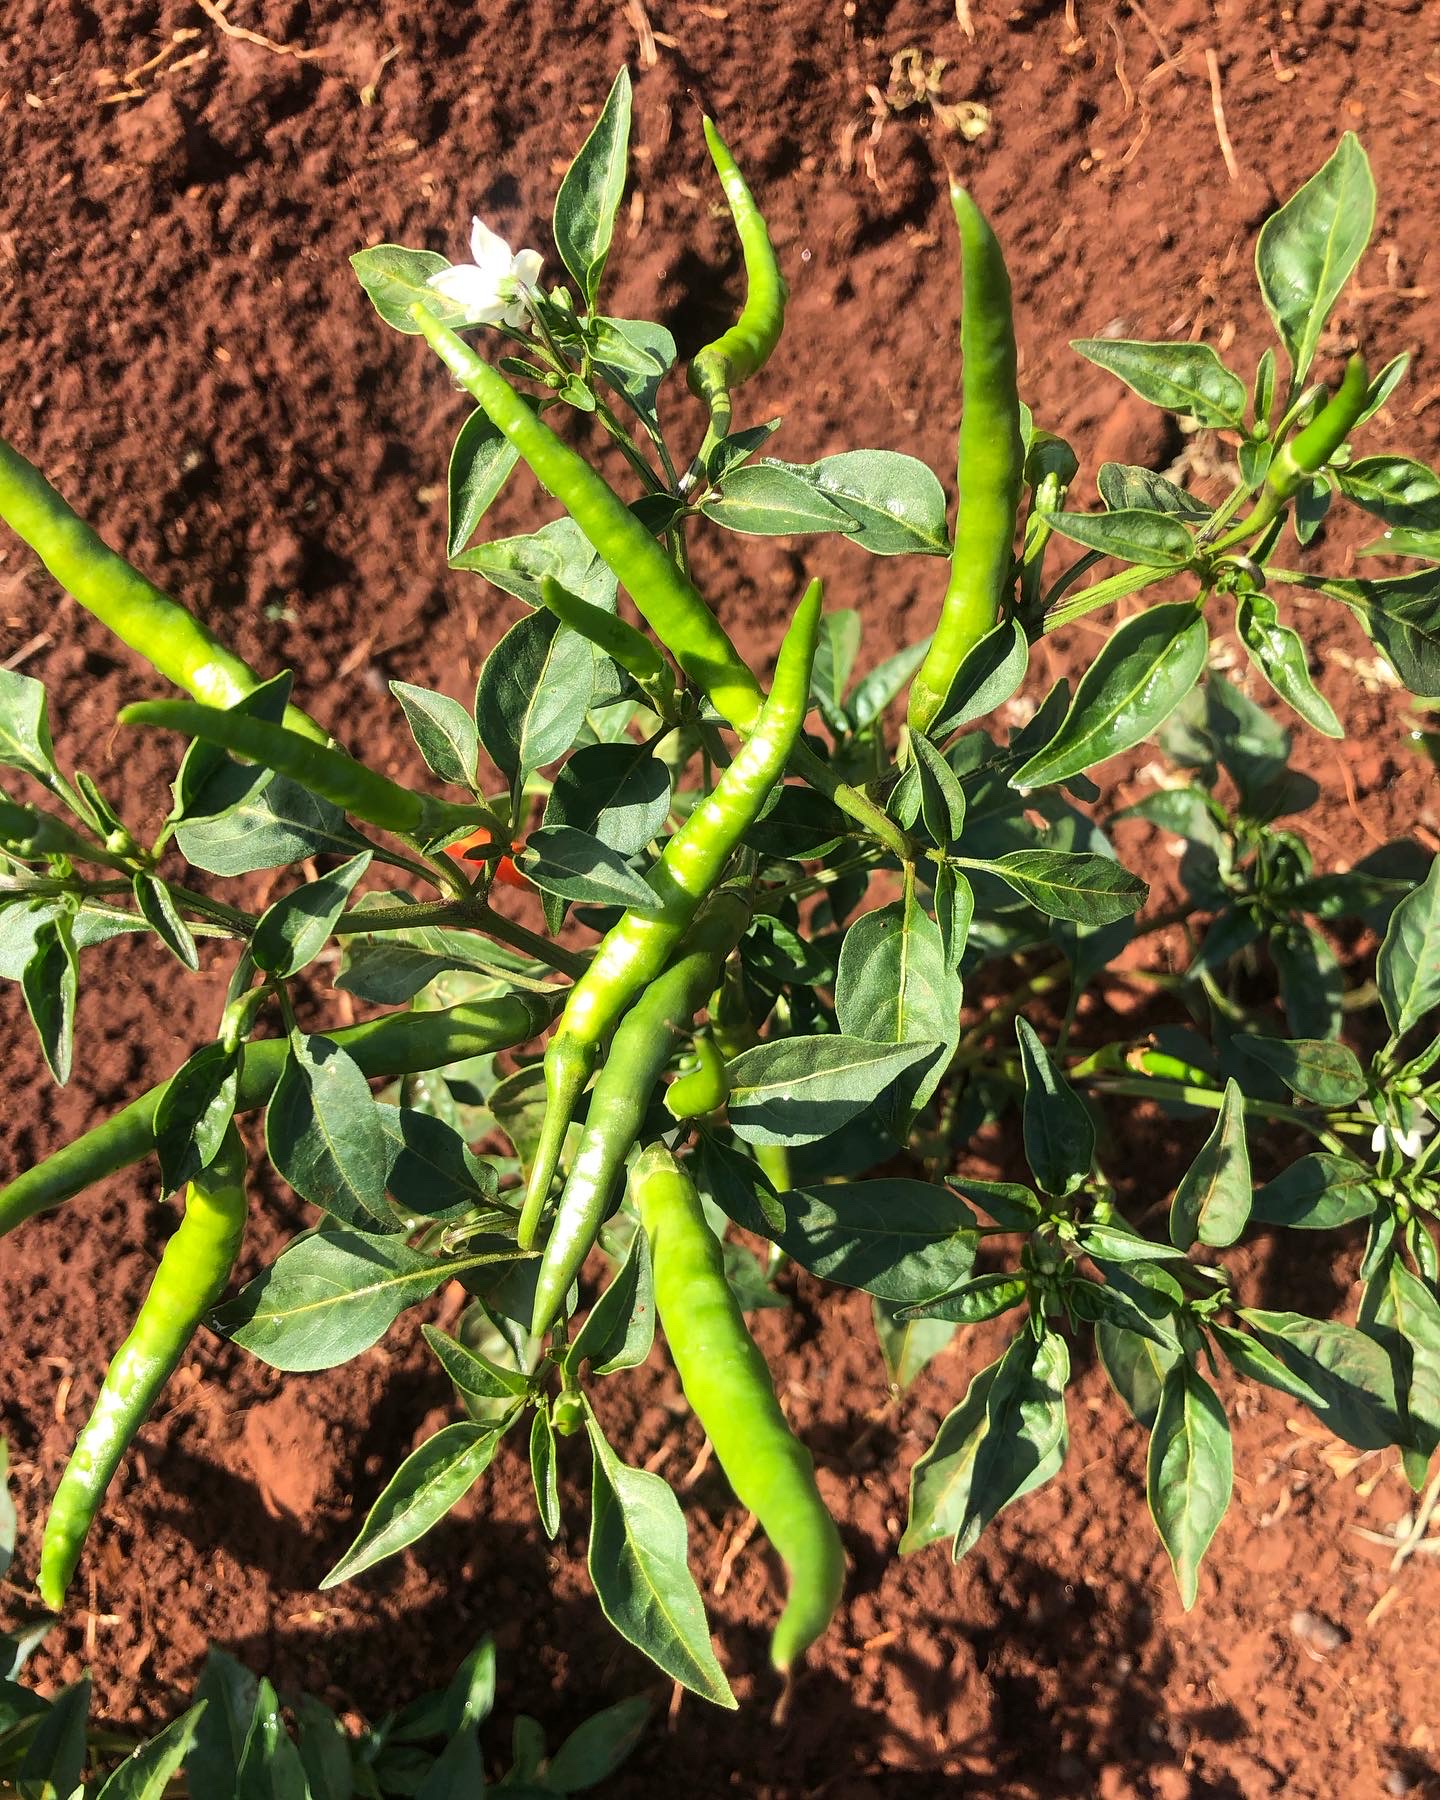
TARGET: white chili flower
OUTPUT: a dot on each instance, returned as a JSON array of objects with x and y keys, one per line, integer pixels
[
  {"x": 489, "y": 288},
  {"x": 1409, "y": 1143}
]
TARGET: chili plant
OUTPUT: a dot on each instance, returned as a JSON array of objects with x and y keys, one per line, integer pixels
[{"x": 770, "y": 954}]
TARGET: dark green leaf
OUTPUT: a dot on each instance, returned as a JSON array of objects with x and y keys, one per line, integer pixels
[
  {"x": 1278, "y": 653},
  {"x": 1026, "y": 1433},
  {"x": 55, "y": 1759},
  {"x": 1350, "y": 1372},
  {"x": 972, "y": 1302},
  {"x": 1137, "y": 1368},
  {"x": 594, "y": 1750},
  {"x": 1126, "y": 488},
  {"x": 1183, "y": 378},
  {"x": 1212, "y": 1202},
  {"x": 772, "y": 499},
  {"x": 193, "y": 1113},
  {"x": 1308, "y": 250},
  {"x": 431, "y": 1480},
  {"x": 25, "y": 741},
  {"x": 1408, "y": 966},
  {"x": 1154, "y": 540},
  {"x": 480, "y": 465},
  {"x": 1402, "y": 492},
  {"x": 1317, "y": 1193},
  {"x": 146, "y": 1773},
  {"x": 577, "y": 866},
  {"x": 620, "y": 1327},
  {"x": 895, "y": 503},
  {"x": 589, "y": 195},
  {"x": 474, "y": 1375},
  {"x": 324, "y": 1134},
  {"x": 294, "y": 929},
  {"x": 533, "y": 694},
  {"x": 443, "y": 730},
  {"x": 640, "y": 1573},
  {"x": 1144, "y": 671},
  {"x": 1190, "y": 1473},
  {"x": 1402, "y": 618},
  {"x": 619, "y": 792},
  {"x": 990, "y": 673},
  {"x": 1059, "y": 1132},
  {"x": 283, "y": 823},
  {"x": 1088, "y": 890},
  {"x": 908, "y": 1345},
  {"x": 230, "y": 1693},
  {"x": 50, "y": 984},
  {"x": 157, "y": 907},
  {"x": 896, "y": 986},
  {"x": 1315, "y": 1069},
  {"x": 800, "y": 1089},
  {"x": 900, "y": 1240}
]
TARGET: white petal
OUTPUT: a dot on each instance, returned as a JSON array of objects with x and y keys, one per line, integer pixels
[
  {"x": 487, "y": 249},
  {"x": 527, "y": 266},
  {"x": 516, "y": 316},
  {"x": 1377, "y": 1139},
  {"x": 470, "y": 288}
]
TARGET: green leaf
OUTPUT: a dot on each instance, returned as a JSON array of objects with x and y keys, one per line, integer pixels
[
  {"x": 1074, "y": 885},
  {"x": 1026, "y": 1434},
  {"x": 773, "y": 499},
  {"x": 634, "y": 356},
  {"x": 1137, "y": 1368},
  {"x": 432, "y": 1170},
  {"x": 641, "y": 1577},
  {"x": 1124, "y": 488},
  {"x": 590, "y": 193},
  {"x": 1150, "y": 539},
  {"x": 1317, "y": 1193},
  {"x": 834, "y": 659},
  {"x": 293, "y": 930},
  {"x": 559, "y": 550},
  {"x": 230, "y": 1693},
  {"x": 1190, "y": 1474},
  {"x": 443, "y": 730},
  {"x": 1422, "y": 544},
  {"x": 972, "y": 1302},
  {"x": 1144, "y": 671},
  {"x": 577, "y": 866},
  {"x": 1311, "y": 983},
  {"x": 533, "y": 694},
  {"x": 990, "y": 673},
  {"x": 895, "y": 502},
  {"x": 1408, "y": 966},
  {"x": 1326, "y": 1073},
  {"x": 940, "y": 1480},
  {"x": 1397, "y": 489},
  {"x": 474, "y": 1375},
  {"x": 431, "y": 1480},
  {"x": 899, "y": 1240},
  {"x": 25, "y": 741},
  {"x": 895, "y": 985},
  {"x": 157, "y": 907},
  {"x": 193, "y": 1113},
  {"x": 396, "y": 279},
  {"x": 55, "y": 1758},
  {"x": 1309, "y": 249},
  {"x": 1401, "y": 1310},
  {"x": 1251, "y": 1359},
  {"x": 480, "y": 465},
  {"x": 620, "y": 1327},
  {"x": 1059, "y": 1132},
  {"x": 594, "y": 1750},
  {"x": 800, "y": 1089},
  {"x": 1212, "y": 1202},
  {"x": 618, "y": 792},
  {"x": 908, "y": 1345},
  {"x": 324, "y": 1135},
  {"x": 1349, "y": 1371},
  {"x": 1107, "y": 1304},
  {"x": 874, "y": 692},
  {"x": 1278, "y": 652},
  {"x": 330, "y": 1296},
  {"x": 543, "y": 1473},
  {"x": 50, "y": 983},
  {"x": 146, "y": 1772},
  {"x": 1402, "y": 618},
  {"x": 942, "y": 799},
  {"x": 282, "y": 823},
  {"x": 1183, "y": 378}
]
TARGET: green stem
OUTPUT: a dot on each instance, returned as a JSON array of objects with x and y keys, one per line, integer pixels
[
  {"x": 1205, "y": 1099},
  {"x": 1101, "y": 593},
  {"x": 469, "y": 914}
]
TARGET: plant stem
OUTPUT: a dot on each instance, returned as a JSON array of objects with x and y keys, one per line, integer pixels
[{"x": 470, "y": 914}]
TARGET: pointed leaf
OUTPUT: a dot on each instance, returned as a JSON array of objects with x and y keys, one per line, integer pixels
[
  {"x": 1190, "y": 1473},
  {"x": 1212, "y": 1202}
]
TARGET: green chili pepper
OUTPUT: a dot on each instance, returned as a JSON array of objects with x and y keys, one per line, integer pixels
[
  {"x": 621, "y": 642},
  {"x": 667, "y": 600},
  {"x": 728, "y": 1385},
  {"x": 697, "y": 1092},
  {"x": 329, "y": 773},
  {"x": 990, "y": 464},
  {"x": 401, "y": 1043},
  {"x": 170, "y": 639},
  {"x": 631, "y": 955},
  {"x": 192, "y": 1274},
  {"x": 646, "y": 1039},
  {"x": 745, "y": 348}
]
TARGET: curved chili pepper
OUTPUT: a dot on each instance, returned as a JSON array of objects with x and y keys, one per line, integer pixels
[
  {"x": 728, "y": 1385},
  {"x": 745, "y": 348},
  {"x": 697, "y": 1092},
  {"x": 170, "y": 639},
  {"x": 505, "y": 871},
  {"x": 630, "y": 957},
  {"x": 989, "y": 469},
  {"x": 193, "y": 1271},
  {"x": 644, "y": 1042}
]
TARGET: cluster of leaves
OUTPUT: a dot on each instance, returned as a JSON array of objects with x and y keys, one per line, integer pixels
[
  {"x": 239, "y": 1740},
  {"x": 846, "y": 1031}
]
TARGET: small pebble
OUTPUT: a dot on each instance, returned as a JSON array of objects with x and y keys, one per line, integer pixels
[
  {"x": 1317, "y": 1632},
  {"x": 1398, "y": 1782}
]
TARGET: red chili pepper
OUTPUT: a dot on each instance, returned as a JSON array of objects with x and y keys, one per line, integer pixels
[{"x": 505, "y": 871}]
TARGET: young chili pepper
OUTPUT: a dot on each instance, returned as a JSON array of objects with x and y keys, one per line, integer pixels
[
  {"x": 667, "y": 600},
  {"x": 505, "y": 871},
  {"x": 631, "y": 955},
  {"x": 746, "y": 347},
  {"x": 401, "y": 1043},
  {"x": 170, "y": 639},
  {"x": 621, "y": 642},
  {"x": 728, "y": 1385},
  {"x": 645, "y": 1041},
  {"x": 990, "y": 464},
  {"x": 1307, "y": 452},
  {"x": 191, "y": 1276},
  {"x": 697, "y": 1092}
]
